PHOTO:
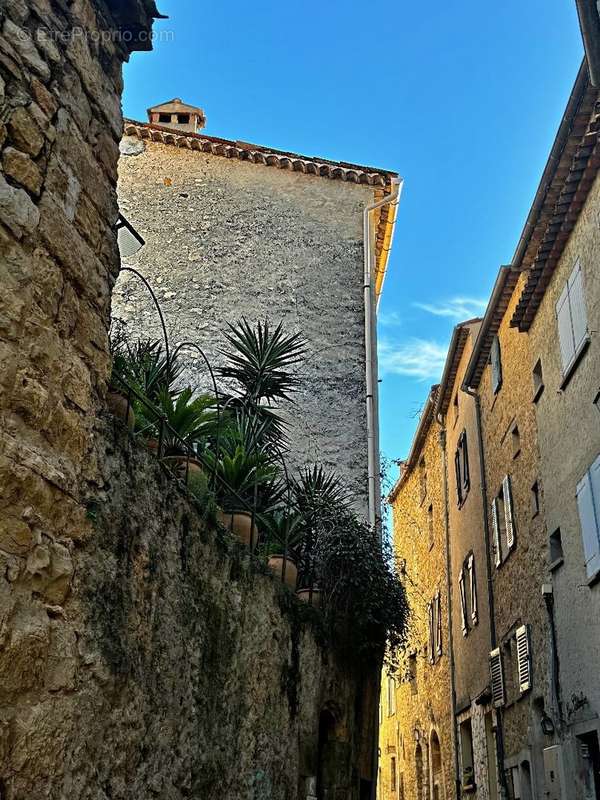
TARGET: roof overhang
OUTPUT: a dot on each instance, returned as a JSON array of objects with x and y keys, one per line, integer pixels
[
  {"x": 566, "y": 181},
  {"x": 460, "y": 335}
]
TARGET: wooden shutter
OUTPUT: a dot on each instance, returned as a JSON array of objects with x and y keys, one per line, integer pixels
[
  {"x": 463, "y": 603},
  {"x": 465, "y": 460},
  {"x": 431, "y": 634},
  {"x": 508, "y": 512},
  {"x": 589, "y": 521},
  {"x": 458, "y": 479},
  {"x": 473, "y": 588},
  {"x": 496, "y": 364},
  {"x": 438, "y": 642},
  {"x": 577, "y": 305},
  {"x": 496, "y": 526},
  {"x": 523, "y": 658},
  {"x": 497, "y": 678},
  {"x": 565, "y": 329}
]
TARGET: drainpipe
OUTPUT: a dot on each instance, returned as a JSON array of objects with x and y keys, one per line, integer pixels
[
  {"x": 488, "y": 556},
  {"x": 453, "y": 728},
  {"x": 371, "y": 356}
]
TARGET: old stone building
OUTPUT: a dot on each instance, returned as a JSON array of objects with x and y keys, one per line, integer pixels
[
  {"x": 235, "y": 229},
  {"x": 416, "y": 738},
  {"x": 469, "y": 564},
  {"x": 139, "y": 657},
  {"x": 559, "y": 312}
]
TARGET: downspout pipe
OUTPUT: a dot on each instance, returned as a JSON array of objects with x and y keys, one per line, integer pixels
[
  {"x": 486, "y": 534},
  {"x": 373, "y": 468}
]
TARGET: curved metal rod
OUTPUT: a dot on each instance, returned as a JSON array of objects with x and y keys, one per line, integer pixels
[{"x": 158, "y": 308}]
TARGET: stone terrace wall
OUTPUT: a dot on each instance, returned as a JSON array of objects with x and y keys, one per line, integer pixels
[{"x": 174, "y": 669}]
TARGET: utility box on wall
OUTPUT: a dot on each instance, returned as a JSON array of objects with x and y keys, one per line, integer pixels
[{"x": 553, "y": 773}]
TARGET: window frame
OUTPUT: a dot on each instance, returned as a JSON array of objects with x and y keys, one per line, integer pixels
[
  {"x": 572, "y": 297},
  {"x": 588, "y": 508},
  {"x": 461, "y": 468}
]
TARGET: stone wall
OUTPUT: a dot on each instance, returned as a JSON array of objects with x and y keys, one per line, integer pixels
[
  {"x": 228, "y": 238},
  {"x": 423, "y": 705},
  {"x": 174, "y": 668}
]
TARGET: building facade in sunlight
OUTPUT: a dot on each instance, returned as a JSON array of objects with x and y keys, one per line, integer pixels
[
  {"x": 519, "y": 413},
  {"x": 416, "y": 747}
]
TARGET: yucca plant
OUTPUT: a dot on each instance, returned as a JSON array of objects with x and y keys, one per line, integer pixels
[
  {"x": 284, "y": 532},
  {"x": 260, "y": 360},
  {"x": 191, "y": 421},
  {"x": 245, "y": 479},
  {"x": 319, "y": 492}
]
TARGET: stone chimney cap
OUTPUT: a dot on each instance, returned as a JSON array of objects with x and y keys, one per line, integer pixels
[{"x": 176, "y": 106}]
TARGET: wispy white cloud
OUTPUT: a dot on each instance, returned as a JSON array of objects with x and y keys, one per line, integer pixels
[
  {"x": 458, "y": 308},
  {"x": 417, "y": 358},
  {"x": 389, "y": 319}
]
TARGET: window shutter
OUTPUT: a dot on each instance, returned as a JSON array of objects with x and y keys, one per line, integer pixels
[
  {"x": 508, "y": 512},
  {"x": 496, "y": 364},
  {"x": 439, "y": 623},
  {"x": 463, "y": 602},
  {"x": 523, "y": 658},
  {"x": 465, "y": 454},
  {"x": 431, "y": 642},
  {"x": 589, "y": 521},
  {"x": 565, "y": 330},
  {"x": 458, "y": 480},
  {"x": 473, "y": 587},
  {"x": 496, "y": 526},
  {"x": 577, "y": 305},
  {"x": 497, "y": 678}
]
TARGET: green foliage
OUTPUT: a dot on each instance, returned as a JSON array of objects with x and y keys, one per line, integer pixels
[
  {"x": 364, "y": 598},
  {"x": 284, "y": 532},
  {"x": 192, "y": 419},
  {"x": 260, "y": 359},
  {"x": 319, "y": 492},
  {"x": 242, "y": 474}
]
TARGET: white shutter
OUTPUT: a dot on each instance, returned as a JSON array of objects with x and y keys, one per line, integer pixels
[
  {"x": 565, "y": 329},
  {"x": 496, "y": 526},
  {"x": 439, "y": 624},
  {"x": 473, "y": 587},
  {"x": 497, "y": 678},
  {"x": 523, "y": 658},
  {"x": 463, "y": 603},
  {"x": 431, "y": 642},
  {"x": 508, "y": 512},
  {"x": 577, "y": 305},
  {"x": 589, "y": 522}
]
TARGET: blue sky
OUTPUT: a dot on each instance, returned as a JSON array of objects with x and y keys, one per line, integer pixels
[{"x": 463, "y": 101}]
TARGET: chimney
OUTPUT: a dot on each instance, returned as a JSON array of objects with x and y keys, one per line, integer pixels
[{"x": 177, "y": 115}]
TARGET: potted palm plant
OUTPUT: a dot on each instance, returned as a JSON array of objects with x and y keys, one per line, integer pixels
[
  {"x": 284, "y": 534},
  {"x": 189, "y": 423}
]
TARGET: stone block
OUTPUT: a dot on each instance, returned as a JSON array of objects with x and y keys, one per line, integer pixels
[
  {"x": 22, "y": 169},
  {"x": 25, "y": 47},
  {"x": 44, "y": 98},
  {"x": 24, "y": 132},
  {"x": 15, "y": 535},
  {"x": 17, "y": 211}
]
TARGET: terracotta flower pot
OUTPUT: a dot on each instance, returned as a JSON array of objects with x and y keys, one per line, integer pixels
[
  {"x": 118, "y": 406},
  {"x": 288, "y": 574},
  {"x": 180, "y": 463},
  {"x": 240, "y": 523},
  {"x": 306, "y": 597}
]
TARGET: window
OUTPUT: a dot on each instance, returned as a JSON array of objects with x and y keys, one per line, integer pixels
[
  {"x": 164, "y": 118},
  {"x": 588, "y": 503},
  {"x": 434, "y": 615},
  {"x": 503, "y": 522},
  {"x": 467, "y": 584},
  {"x": 391, "y": 696},
  {"x": 412, "y": 672},
  {"x": 401, "y": 786},
  {"x": 535, "y": 499},
  {"x": 455, "y": 407},
  {"x": 538, "y": 380},
  {"x": 466, "y": 756},
  {"x": 523, "y": 649},
  {"x": 430, "y": 526},
  {"x": 393, "y": 774},
  {"x": 183, "y": 119},
  {"x": 515, "y": 438},
  {"x": 496, "y": 365},
  {"x": 461, "y": 469},
  {"x": 572, "y": 320},
  {"x": 556, "y": 549},
  {"x": 423, "y": 479}
]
